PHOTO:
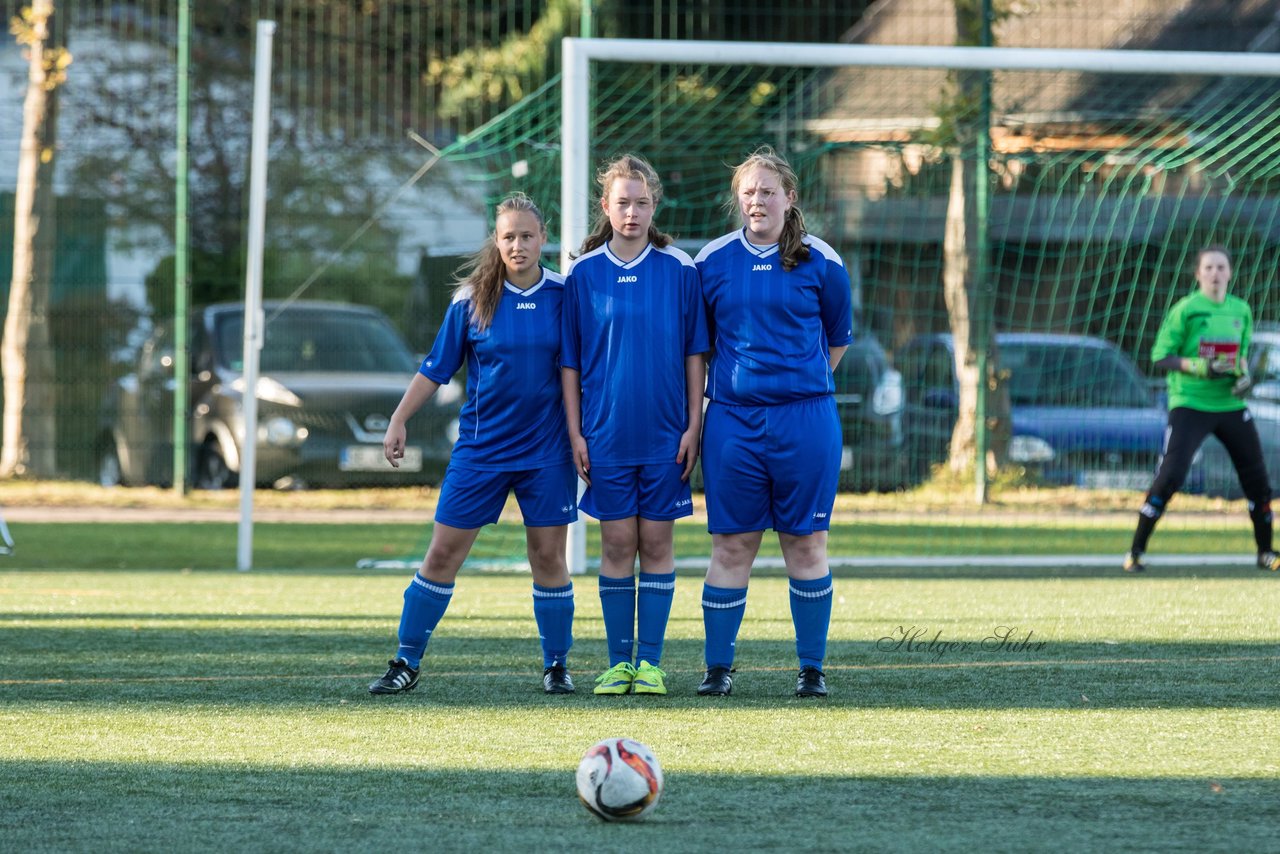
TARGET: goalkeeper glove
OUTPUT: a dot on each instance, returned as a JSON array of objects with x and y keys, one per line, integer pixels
[
  {"x": 1198, "y": 366},
  {"x": 1243, "y": 383}
]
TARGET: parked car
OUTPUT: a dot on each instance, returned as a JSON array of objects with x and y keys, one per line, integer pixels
[
  {"x": 1212, "y": 472},
  {"x": 331, "y": 374},
  {"x": 1082, "y": 413},
  {"x": 869, "y": 400}
]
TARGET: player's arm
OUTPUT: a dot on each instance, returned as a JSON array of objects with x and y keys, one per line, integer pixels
[
  {"x": 835, "y": 303},
  {"x": 419, "y": 392},
  {"x": 571, "y": 391},
  {"x": 695, "y": 381},
  {"x": 1166, "y": 352},
  {"x": 441, "y": 363},
  {"x": 835, "y": 354}
]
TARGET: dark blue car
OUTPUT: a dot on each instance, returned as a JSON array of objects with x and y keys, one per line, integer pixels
[{"x": 1083, "y": 415}]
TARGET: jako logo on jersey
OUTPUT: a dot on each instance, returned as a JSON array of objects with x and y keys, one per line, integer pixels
[
  {"x": 761, "y": 267},
  {"x": 526, "y": 305},
  {"x": 819, "y": 515},
  {"x": 684, "y": 502},
  {"x": 622, "y": 279}
]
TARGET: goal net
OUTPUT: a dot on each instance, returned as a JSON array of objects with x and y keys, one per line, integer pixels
[{"x": 1093, "y": 179}]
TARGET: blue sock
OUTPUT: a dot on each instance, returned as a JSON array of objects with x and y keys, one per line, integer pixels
[
  {"x": 811, "y": 614},
  {"x": 424, "y": 605},
  {"x": 553, "y": 612},
  {"x": 618, "y": 602},
  {"x": 653, "y": 607},
  {"x": 722, "y": 611}
]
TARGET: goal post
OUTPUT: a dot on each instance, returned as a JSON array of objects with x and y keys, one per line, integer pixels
[{"x": 580, "y": 149}]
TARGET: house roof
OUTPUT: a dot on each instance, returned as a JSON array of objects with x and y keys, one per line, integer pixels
[{"x": 880, "y": 104}]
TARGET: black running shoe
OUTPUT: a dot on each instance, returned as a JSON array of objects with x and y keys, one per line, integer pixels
[
  {"x": 717, "y": 682},
  {"x": 400, "y": 677},
  {"x": 556, "y": 680},
  {"x": 1133, "y": 563},
  {"x": 811, "y": 683}
]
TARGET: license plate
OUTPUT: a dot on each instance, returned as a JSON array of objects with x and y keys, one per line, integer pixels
[
  {"x": 371, "y": 458},
  {"x": 1105, "y": 479}
]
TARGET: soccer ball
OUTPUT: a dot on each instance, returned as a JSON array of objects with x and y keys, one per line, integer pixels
[{"x": 619, "y": 779}]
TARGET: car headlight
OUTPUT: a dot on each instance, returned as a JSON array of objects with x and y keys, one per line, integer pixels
[
  {"x": 269, "y": 390},
  {"x": 281, "y": 432},
  {"x": 1030, "y": 449},
  {"x": 888, "y": 394}
]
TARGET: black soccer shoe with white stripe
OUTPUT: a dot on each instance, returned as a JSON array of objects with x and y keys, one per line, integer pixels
[
  {"x": 811, "y": 683},
  {"x": 556, "y": 680},
  {"x": 716, "y": 682},
  {"x": 400, "y": 677}
]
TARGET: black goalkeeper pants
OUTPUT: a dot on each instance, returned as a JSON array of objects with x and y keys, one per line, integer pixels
[{"x": 1186, "y": 432}]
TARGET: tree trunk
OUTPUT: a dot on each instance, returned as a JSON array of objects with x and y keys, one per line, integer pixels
[
  {"x": 28, "y": 421},
  {"x": 956, "y": 272},
  {"x": 969, "y": 310}
]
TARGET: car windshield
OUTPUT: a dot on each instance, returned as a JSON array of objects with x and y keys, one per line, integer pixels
[
  {"x": 338, "y": 341},
  {"x": 1055, "y": 375}
]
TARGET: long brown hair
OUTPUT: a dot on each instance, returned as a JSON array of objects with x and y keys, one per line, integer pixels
[
  {"x": 628, "y": 166},
  {"x": 791, "y": 245},
  {"x": 482, "y": 277}
]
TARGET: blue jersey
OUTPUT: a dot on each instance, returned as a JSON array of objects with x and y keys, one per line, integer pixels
[
  {"x": 513, "y": 418},
  {"x": 770, "y": 328},
  {"x": 628, "y": 327}
]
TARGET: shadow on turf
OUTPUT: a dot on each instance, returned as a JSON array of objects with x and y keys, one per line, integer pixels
[
  {"x": 77, "y": 805},
  {"x": 292, "y": 663},
  {"x": 1155, "y": 572}
]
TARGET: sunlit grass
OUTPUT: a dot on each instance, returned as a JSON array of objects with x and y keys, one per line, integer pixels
[{"x": 229, "y": 710}]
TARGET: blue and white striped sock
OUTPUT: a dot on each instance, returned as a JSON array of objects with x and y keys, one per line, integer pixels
[
  {"x": 811, "y": 614},
  {"x": 722, "y": 612},
  {"x": 618, "y": 604},
  {"x": 553, "y": 612},
  {"x": 653, "y": 609},
  {"x": 424, "y": 604}
]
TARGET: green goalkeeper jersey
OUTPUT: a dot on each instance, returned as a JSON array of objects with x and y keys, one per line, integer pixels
[{"x": 1197, "y": 326}]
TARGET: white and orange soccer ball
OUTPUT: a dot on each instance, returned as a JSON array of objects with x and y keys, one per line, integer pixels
[{"x": 619, "y": 779}]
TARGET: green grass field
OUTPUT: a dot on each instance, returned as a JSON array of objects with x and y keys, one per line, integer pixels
[
  {"x": 223, "y": 711},
  {"x": 212, "y": 545}
]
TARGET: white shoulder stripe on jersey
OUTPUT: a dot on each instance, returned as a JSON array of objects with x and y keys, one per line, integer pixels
[
  {"x": 825, "y": 248},
  {"x": 677, "y": 253},
  {"x": 461, "y": 294},
  {"x": 576, "y": 261},
  {"x": 715, "y": 246}
]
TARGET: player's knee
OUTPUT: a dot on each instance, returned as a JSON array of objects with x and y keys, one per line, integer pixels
[
  {"x": 1260, "y": 509},
  {"x": 734, "y": 554},
  {"x": 546, "y": 560},
  {"x": 1154, "y": 505},
  {"x": 618, "y": 549}
]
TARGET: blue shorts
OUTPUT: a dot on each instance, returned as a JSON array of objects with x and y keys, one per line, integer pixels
[
  {"x": 771, "y": 466},
  {"x": 470, "y": 498},
  {"x": 654, "y": 492}
]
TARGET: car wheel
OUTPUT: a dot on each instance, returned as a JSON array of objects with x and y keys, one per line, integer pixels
[
  {"x": 211, "y": 469},
  {"x": 109, "y": 473}
]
